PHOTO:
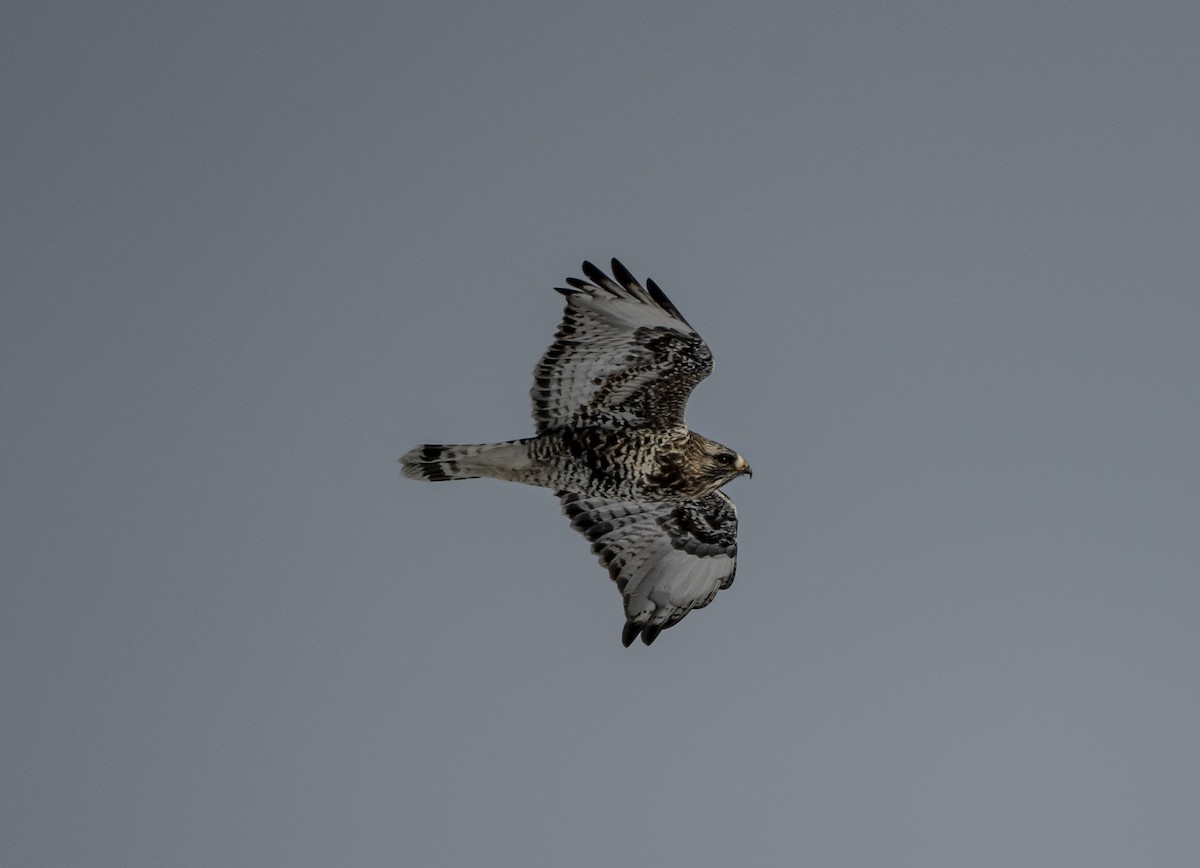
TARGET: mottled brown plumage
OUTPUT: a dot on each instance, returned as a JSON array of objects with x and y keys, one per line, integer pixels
[{"x": 608, "y": 403}]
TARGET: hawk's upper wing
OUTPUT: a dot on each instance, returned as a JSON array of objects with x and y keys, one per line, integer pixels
[
  {"x": 622, "y": 356},
  {"x": 667, "y": 557}
]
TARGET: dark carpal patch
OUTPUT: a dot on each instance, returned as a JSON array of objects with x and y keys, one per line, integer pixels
[{"x": 705, "y": 528}]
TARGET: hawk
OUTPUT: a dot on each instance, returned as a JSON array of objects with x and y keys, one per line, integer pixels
[{"x": 608, "y": 402}]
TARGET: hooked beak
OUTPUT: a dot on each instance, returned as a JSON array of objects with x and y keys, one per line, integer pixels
[{"x": 743, "y": 467}]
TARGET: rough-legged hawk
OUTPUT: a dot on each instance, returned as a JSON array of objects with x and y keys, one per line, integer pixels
[{"x": 608, "y": 402}]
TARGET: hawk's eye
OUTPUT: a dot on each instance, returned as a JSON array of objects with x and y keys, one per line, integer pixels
[{"x": 725, "y": 458}]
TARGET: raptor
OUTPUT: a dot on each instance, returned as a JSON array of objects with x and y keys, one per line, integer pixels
[{"x": 608, "y": 406}]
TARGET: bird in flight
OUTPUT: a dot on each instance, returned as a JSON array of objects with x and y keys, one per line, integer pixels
[{"x": 608, "y": 404}]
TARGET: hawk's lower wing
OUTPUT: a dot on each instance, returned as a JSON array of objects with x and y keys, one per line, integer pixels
[{"x": 667, "y": 557}]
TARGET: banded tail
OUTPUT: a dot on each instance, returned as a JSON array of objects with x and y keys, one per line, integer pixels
[{"x": 440, "y": 462}]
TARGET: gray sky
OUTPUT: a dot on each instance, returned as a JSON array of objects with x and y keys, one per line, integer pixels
[{"x": 946, "y": 257}]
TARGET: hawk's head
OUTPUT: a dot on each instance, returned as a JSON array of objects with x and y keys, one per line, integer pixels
[{"x": 709, "y": 465}]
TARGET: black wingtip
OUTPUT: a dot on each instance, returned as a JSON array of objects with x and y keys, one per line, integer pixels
[
  {"x": 592, "y": 273},
  {"x": 629, "y": 633},
  {"x": 601, "y": 280},
  {"x": 650, "y": 633},
  {"x": 623, "y": 275},
  {"x": 661, "y": 299}
]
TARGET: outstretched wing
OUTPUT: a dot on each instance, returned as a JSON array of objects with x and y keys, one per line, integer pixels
[
  {"x": 667, "y": 557},
  {"x": 623, "y": 356}
]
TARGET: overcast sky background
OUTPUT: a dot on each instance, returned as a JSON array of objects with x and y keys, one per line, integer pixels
[{"x": 947, "y": 256}]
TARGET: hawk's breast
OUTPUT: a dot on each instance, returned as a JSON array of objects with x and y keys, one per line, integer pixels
[{"x": 603, "y": 462}]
